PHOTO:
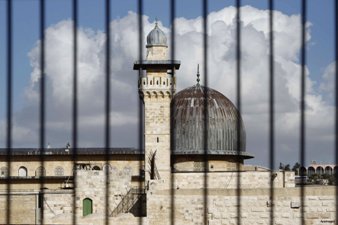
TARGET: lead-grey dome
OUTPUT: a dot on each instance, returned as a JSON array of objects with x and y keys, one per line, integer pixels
[
  {"x": 156, "y": 37},
  {"x": 189, "y": 121}
]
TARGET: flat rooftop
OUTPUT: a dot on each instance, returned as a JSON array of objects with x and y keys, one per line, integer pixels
[{"x": 69, "y": 151}]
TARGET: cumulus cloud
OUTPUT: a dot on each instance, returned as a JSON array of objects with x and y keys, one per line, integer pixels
[
  {"x": 189, "y": 42},
  {"x": 328, "y": 81}
]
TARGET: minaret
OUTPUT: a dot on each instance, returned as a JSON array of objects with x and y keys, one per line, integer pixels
[{"x": 156, "y": 89}]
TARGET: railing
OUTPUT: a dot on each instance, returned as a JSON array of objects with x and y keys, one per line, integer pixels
[{"x": 128, "y": 201}]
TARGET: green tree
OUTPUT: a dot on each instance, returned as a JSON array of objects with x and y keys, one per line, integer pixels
[
  {"x": 284, "y": 167},
  {"x": 296, "y": 168}
]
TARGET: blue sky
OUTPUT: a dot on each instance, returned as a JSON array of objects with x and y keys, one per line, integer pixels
[{"x": 91, "y": 15}]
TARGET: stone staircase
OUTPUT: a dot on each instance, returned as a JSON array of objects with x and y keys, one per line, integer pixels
[{"x": 128, "y": 201}]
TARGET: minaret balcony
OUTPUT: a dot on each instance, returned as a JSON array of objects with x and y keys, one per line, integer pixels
[{"x": 157, "y": 83}]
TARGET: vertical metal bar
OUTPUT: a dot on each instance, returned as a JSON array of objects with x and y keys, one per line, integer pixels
[
  {"x": 271, "y": 110},
  {"x": 238, "y": 87},
  {"x": 302, "y": 103},
  {"x": 107, "y": 108},
  {"x": 9, "y": 109},
  {"x": 42, "y": 105},
  {"x": 140, "y": 104},
  {"x": 336, "y": 96},
  {"x": 75, "y": 106},
  {"x": 206, "y": 110},
  {"x": 172, "y": 111}
]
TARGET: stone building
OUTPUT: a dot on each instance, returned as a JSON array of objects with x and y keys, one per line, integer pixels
[{"x": 177, "y": 178}]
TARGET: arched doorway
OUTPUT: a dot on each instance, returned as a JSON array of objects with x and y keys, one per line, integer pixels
[{"x": 87, "y": 206}]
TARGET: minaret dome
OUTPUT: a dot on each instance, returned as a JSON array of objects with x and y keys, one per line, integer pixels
[{"x": 156, "y": 37}]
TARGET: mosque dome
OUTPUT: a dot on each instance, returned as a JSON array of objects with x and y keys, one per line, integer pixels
[
  {"x": 189, "y": 107},
  {"x": 156, "y": 37}
]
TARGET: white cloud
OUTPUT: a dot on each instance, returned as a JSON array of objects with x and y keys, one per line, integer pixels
[
  {"x": 189, "y": 49},
  {"x": 327, "y": 84}
]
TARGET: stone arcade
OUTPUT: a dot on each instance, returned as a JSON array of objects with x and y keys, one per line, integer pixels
[{"x": 170, "y": 180}]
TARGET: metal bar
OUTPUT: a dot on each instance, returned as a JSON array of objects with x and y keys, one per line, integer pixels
[
  {"x": 206, "y": 110},
  {"x": 140, "y": 104},
  {"x": 107, "y": 108},
  {"x": 238, "y": 88},
  {"x": 42, "y": 106},
  {"x": 271, "y": 110},
  {"x": 172, "y": 111},
  {"x": 75, "y": 106},
  {"x": 336, "y": 96},
  {"x": 9, "y": 108},
  {"x": 302, "y": 103}
]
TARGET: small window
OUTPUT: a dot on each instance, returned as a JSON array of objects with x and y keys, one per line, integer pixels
[
  {"x": 3, "y": 172},
  {"x": 40, "y": 171},
  {"x": 106, "y": 167},
  {"x": 22, "y": 171},
  {"x": 158, "y": 139},
  {"x": 59, "y": 171},
  {"x": 163, "y": 83},
  {"x": 157, "y": 82},
  {"x": 151, "y": 82},
  {"x": 198, "y": 166},
  {"x": 144, "y": 83},
  {"x": 96, "y": 168}
]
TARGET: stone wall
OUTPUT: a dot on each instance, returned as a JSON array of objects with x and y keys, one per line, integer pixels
[
  {"x": 188, "y": 201},
  {"x": 31, "y": 181},
  {"x": 22, "y": 207},
  {"x": 255, "y": 207},
  {"x": 228, "y": 180}
]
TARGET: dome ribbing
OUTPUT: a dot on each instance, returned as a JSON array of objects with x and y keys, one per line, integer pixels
[
  {"x": 156, "y": 37},
  {"x": 189, "y": 122}
]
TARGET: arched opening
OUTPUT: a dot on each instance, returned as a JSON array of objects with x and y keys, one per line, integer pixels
[
  {"x": 87, "y": 205},
  {"x": 106, "y": 167},
  {"x": 302, "y": 171},
  {"x": 22, "y": 171},
  {"x": 328, "y": 170},
  {"x": 59, "y": 171},
  {"x": 40, "y": 171},
  {"x": 319, "y": 170},
  {"x": 311, "y": 171},
  {"x": 4, "y": 172},
  {"x": 96, "y": 168}
]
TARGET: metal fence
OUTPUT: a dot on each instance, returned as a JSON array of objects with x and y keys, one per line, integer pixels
[{"x": 204, "y": 13}]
